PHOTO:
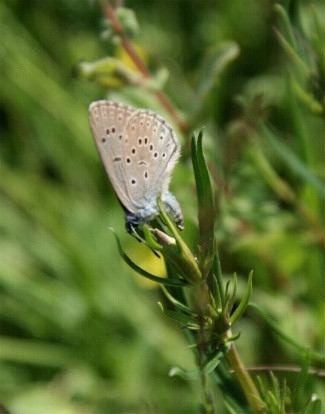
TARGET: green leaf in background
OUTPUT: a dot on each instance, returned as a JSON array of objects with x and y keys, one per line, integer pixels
[
  {"x": 285, "y": 25},
  {"x": 292, "y": 161},
  {"x": 293, "y": 55},
  {"x": 272, "y": 325},
  {"x": 212, "y": 67}
]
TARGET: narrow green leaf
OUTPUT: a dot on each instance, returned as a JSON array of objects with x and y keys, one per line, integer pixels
[
  {"x": 286, "y": 25},
  {"x": 197, "y": 172},
  {"x": 317, "y": 21},
  {"x": 187, "y": 375},
  {"x": 144, "y": 273},
  {"x": 275, "y": 386},
  {"x": 212, "y": 311},
  {"x": 232, "y": 406},
  {"x": 205, "y": 205},
  {"x": 297, "y": 166},
  {"x": 227, "y": 293},
  {"x": 314, "y": 405},
  {"x": 179, "y": 317},
  {"x": 192, "y": 346},
  {"x": 206, "y": 180},
  {"x": 233, "y": 338},
  {"x": 218, "y": 288},
  {"x": 306, "y": 98},
  {"x": 234, "y": 293},
  {"x": 299, "y": 389},
  {"x": 230, "y": 409},
  {"x": 272, "y": 325},
  {"x": 213, "y": 302},
  {"x": 176, "y": 302},
  {"x": 270, "y": 176},
  {"x": 292, "y": 54},
  {"x": 244, "y": 302},
  {"x": 207, "y": 367},
  {"x": 261, "y": 387},
  {"x": 273, "y": 403},
  {"x": 283, "y": 396},
  {"x": 213, "y": 362},
  {"x": 212, "y": 67}
]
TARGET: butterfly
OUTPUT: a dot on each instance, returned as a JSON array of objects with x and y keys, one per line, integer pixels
[{"x": 138, "y": 150}]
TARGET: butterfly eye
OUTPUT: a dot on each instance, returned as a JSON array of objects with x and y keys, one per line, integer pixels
[
  {"x": 164, "y": 155},
  {"x": 107, "y": 131},
  {"x": 161, "y": 137},
  {"x": 133, "y": 151},
  {"x": 113, "y": 130},
  {"x": 155, "y": 154},
  {"x": 140, "y": 141},
  {"x": 146, "y": 141},
  {"x": 146, "y": 174},
  {"x": 133, "y": 182},
  {"x": 128, "y": 160},
  {"x": 103, "y": 139},
  {"x": 120, "y": 137},
  {"x": 151, "y": 147}
]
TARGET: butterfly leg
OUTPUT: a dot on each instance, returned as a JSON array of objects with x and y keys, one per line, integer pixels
[
  {"x": 173, "y": 209},
  {"x": 131, "y": 223}
]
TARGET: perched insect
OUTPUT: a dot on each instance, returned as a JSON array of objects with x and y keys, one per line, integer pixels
[{"x": 139, "y": 151}]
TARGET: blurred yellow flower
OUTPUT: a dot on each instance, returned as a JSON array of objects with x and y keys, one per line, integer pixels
[
  {"x": 124, "y": 57},
  {"x": 144, "y": 258}
]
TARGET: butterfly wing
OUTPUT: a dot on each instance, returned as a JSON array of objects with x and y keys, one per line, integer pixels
[
  {"x": 149, "y": 153},
  {"x": 107, "y": 122}
]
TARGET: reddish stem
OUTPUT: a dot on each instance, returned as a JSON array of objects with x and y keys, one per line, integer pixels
[
  {"x": 285, "y": 368},
  {"x": 118, "y": 29}
]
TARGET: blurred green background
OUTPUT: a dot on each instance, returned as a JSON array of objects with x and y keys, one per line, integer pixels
[{"x": 79, "y": 332}]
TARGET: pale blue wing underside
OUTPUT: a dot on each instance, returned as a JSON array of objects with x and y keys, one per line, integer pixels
[
  {"x": 149, "y": 153},
  {"x": 107, "y": 122}
]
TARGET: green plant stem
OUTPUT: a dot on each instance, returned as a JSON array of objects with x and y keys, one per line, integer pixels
[
  {"x": 244, "y": 380},
  {"x": 201, "y": 298},
  {"x": 208, "y": 401}
]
